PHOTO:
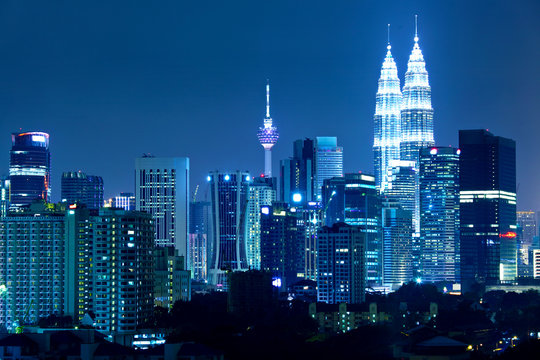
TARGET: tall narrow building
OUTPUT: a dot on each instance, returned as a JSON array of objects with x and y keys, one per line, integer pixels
[
  {"x": 229, "y": 193},
  {"x": 268, "y": 136},
  {"x": 387, "y": 121},
  {"x": 328, "y": 157},
  {"x": 416, "y": 110},
  {"x": 78, "y": 187}
]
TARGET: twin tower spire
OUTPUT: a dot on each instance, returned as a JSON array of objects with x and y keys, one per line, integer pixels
[{"x": 403, "y": 119}]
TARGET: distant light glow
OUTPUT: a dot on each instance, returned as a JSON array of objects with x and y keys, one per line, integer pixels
[
  {"x": 208, "y": 178},
  {"x": 227, "y": 178},
  {"x": 297, "y": 197},
  {"x": 248, "y": 178},
  {"x": 265, "y": 210},
  {"x": 38, "y": 138},
  {"x": 433, "y": 151},
  {"x": 418, "y": 280},
  {"x": 276, "y": 282}
]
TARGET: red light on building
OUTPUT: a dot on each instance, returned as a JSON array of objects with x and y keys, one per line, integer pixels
[
  {"x": 509, "y": 235},
  {"x": 73, "y": 206}
]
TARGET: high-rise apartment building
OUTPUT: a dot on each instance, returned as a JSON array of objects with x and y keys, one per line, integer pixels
[
  {"x": 416, "y": 110},
  {"x": 354, "y": 200},
  {"x": 341, "y": 264},
  {"x": 387, "y": 134},
  {"x": 172, "y": 282},
  {"x": 162, "y": 190},
  {"x": 487, "y": 207},
  {"x": 261, "y": 192},
  {"x": 199, "y": 238},
  {"x": 328, "y": 159},
  {"x": 33, "y": 265},
  {"x": 439, "y": 214},
  {"x": 29, "y": 168},
  {"x": 123, "y": 269},
  {"x": 78, "y": 187},
  {"x": 5, "y": 196},
  {"x": 229, "y": 194},
  {"x": 310, "y": 219}
]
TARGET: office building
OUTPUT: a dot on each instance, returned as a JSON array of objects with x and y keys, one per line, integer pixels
[
  {"x": 229, "y": 194},
  {"x": 29, "y": 168},
  {"x": 439, "y": 214},
  {"x": 341, "y": 264},
  {"x": 298, "y": 172},
  {"x": 199, "y": 238},
  {"x": 125, "y": 200},
  {"x": 123, "y": 270},
  {"x": 328, "y": 159},
  {"x": 78, "y": 187},
  {"x": 171, "y": 281},
  {"x": 387, "y": 121},
  {"x": 310, "y": 219},
  {"x": 354, "y": 200},
  {"x": 536, "y": 263},
  {"x": 282, "y": 244},
  {"x": 268, "y": 136},
  {"x": 260, "y": 193},
  {"x": 488, "y": 246},
  {"x": 397, "y": 244},
  {"x": 162, "y": 190},
  {"x": 527, "y": 230},
  {"x": 416, "y": 110}
]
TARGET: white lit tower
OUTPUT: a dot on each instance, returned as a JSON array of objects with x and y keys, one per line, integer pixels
[
  {"x": 387, "y": 120},
  {"x": 268, "y": 136},
  {"x": 416, "y": 110}
]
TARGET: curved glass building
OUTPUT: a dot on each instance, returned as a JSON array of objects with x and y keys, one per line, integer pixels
[
  {"x": 416, "y": 110},
  {"x": 387, "y": 121},
  {"x": 29, "y": 168}
]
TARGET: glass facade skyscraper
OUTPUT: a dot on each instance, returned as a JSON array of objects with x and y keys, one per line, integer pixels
[
  {"x": 229, "y": 193},
  {"x": 387, "y": 121},
  {"x": 439, "y": 214},
  {"x": 328, "y": 162},
  {"x": 29, "y": 168},
  {"x": 78, "y": 187},
  {"x": 416, "y": 110},
  {"x": 487, "y": 208}
]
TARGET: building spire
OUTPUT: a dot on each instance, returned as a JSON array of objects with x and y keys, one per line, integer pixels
[
  {"x": 389, "y": 46},
  {"x": 267, "y": 98},
  {"x": 415, "y": 28}
]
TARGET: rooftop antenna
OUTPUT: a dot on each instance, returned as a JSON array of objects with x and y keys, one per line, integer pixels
[
  {"x": 389, "y": 47},
  {"x": 267, "y": 98},
  {"x": 415, "y": 28}
]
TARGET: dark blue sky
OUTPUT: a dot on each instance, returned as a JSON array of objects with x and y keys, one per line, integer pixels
[{"x": 186, "y": 78}]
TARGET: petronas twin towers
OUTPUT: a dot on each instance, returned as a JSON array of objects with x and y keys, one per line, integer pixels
[{"x": 403, "y": 119}]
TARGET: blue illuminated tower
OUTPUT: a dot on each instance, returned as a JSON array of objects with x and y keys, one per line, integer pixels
[
  {"x": 268, "y": 136},
  {"x": 416, "y": 110},
  {"x": 387, "y": 120}
]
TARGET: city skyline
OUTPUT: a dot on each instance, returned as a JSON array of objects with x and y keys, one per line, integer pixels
[{"x": 320, "y": 88}]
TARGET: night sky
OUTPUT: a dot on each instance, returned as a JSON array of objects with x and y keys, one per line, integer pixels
[{"x": 110, "y": 81}]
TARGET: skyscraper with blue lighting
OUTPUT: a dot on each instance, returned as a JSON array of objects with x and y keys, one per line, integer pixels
[
  {"x": 416, "y": 110},
  {"x": 387, "y": 121}
]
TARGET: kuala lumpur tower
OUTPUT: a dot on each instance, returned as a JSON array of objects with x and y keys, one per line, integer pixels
[{"x": 268, "y": 136}]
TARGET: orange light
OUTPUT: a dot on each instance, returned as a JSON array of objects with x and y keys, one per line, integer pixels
[
  {"x": 73, "y": 206},
  {"x": 509, "y": 234}
]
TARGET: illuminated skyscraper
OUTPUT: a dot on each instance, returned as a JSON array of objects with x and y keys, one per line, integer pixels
[
  {"x": 229, "y": 193},
  {"x": 487, "y": 177},
  {"x": 268, "y": 136},
  {"x": 439, "y": 213},
  {"x": 261, "y": 192},
  {"x": 387, "y": 121},
  {"x": 328, "y": 162},
  {"x": 5, "y": 195},
  {"x": 162, "y": 190},
  {"x": 29, "y": 168},
  {"x": 416, "y": 110}
]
